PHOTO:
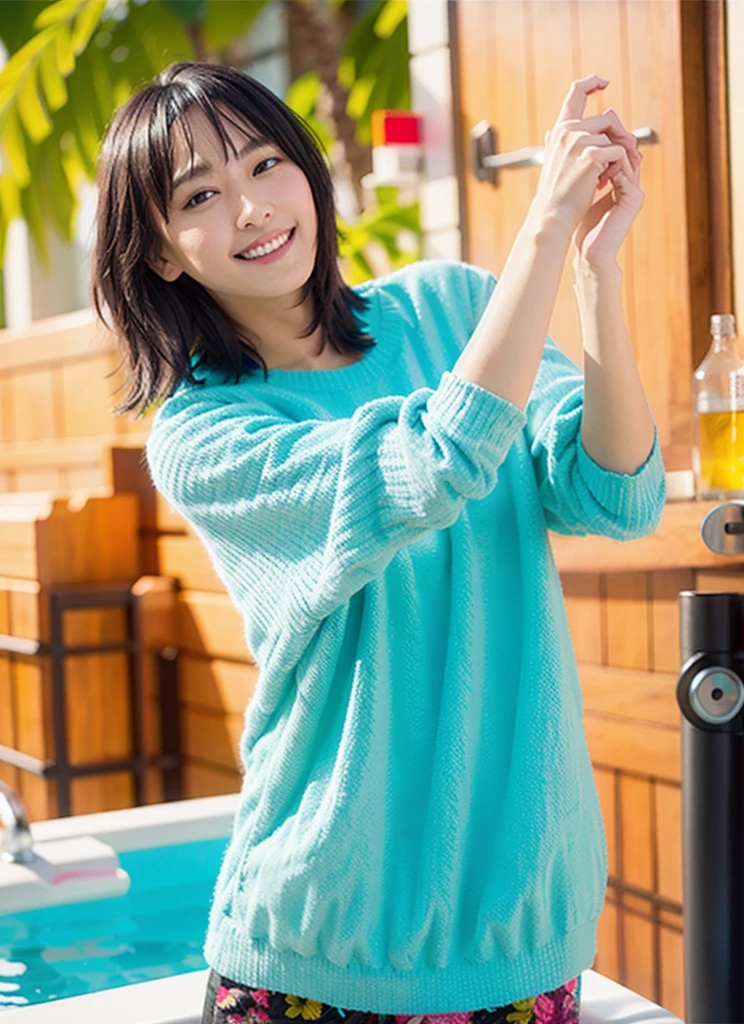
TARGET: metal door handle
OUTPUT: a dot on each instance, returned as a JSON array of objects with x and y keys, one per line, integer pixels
[{"x": 487, "y": 163}]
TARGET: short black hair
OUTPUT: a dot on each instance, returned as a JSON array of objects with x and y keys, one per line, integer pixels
[{"x": 161, "y": 325}]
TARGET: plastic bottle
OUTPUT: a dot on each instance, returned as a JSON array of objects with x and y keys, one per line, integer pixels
[{"x": 718, "y": 420}]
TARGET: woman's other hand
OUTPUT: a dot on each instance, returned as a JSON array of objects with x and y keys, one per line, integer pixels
[
  {"x": 582, "y": 155},
  {"x": 605, "y": 225}
]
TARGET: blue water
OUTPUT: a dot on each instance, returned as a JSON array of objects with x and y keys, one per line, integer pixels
[{"x": 155, "y": 931}]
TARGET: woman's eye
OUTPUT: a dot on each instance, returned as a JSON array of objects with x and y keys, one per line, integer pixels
[
  {"x": 193, "y": 201},
  {"x": 266, "y": 161}
]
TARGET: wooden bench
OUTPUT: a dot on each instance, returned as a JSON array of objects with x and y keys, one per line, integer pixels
[{"x": 46, "y": 542}]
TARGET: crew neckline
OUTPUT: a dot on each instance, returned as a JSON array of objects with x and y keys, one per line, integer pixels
[{"x": 384, "y": 330}]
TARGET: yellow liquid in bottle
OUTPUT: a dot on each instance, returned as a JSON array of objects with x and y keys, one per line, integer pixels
[{"x": 721, "y": 451}]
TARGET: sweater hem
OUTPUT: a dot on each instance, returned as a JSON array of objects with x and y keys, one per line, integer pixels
[{"x": 460, "y": 987}]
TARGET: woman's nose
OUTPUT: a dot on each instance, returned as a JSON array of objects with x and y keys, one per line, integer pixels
[{"x": 252, "y": 211}]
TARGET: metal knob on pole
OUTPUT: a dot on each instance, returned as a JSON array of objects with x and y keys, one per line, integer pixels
[{"x": 710, "y": 694}]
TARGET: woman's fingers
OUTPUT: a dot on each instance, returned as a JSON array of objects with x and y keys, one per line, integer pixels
[
  {"x": 607, "y": 158},
  {"x": 611, "y": 125},
  {"x": 583, "y": 154},
  {"x": 602, "y": 151},
  {"x": 625, "y": 179},
  {"x": 612, "y": 163},
  {"x": 575, "y": 102},
  {"x": 633, "y": 172},
  {"x": 606, "y": 223}
]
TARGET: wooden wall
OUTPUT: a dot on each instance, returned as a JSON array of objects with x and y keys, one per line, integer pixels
[
  {"x": 516, "y": 60},
  {"x": 58, "y": 380},
  {"x": 625, "y": 630},
  {"x": 217, "y": 674}
]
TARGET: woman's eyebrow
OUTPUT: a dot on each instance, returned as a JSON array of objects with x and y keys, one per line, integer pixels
[{"x": 199, "y": 168}]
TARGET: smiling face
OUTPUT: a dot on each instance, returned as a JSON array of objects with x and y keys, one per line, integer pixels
[{"x": 242, "y": 224}]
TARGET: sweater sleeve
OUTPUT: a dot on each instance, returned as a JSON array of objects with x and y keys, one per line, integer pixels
[
  {"x": 578, "y": 495},
  {"x": 306, "y": 513}
]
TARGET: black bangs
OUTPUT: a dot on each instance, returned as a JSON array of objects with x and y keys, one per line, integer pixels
[
  {"x": 153, "y": 150},
  {"x": 218, "y": 118},
  {"x": 162, "y": 325}
]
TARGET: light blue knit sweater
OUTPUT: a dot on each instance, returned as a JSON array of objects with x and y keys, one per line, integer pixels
[{"x": 419, "y": 829}]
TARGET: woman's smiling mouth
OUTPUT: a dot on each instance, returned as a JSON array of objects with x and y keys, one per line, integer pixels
[{"x": 268, "y": 253}]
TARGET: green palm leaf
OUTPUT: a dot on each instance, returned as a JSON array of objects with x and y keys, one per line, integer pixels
[
  {"x": 17, "y": 22},
  {"x": 31, "y": 110},
  {"x": 58, "y": 92},
  {"x": 52, "y": 80},
  {"x": 302, "y": 96}
]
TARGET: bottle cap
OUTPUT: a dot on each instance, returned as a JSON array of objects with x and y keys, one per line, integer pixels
[{"x": 723, "y": 323}]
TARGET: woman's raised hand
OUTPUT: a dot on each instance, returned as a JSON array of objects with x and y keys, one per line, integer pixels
[{"x": 582, "y": 155}]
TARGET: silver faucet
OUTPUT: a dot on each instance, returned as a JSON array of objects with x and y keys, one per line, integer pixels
[{"x": 16, "y": 844}]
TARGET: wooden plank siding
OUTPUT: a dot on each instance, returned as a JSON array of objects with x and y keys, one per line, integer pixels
[
  {"x": 46, "y": 368},
  {"x": 62, "y": 464},
  {"x": 632, "y": 728}
]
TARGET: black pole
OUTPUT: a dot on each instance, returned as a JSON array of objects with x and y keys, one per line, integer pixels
[
  {"x": 170, "y": 728},
  {"x": 59, "y": 705},
  {"x": 711, "y": 698}
]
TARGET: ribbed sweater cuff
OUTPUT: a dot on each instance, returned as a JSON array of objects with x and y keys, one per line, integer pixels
[
  {"x": 634, "y": 495},
  {"x": 475, "y": 412}
]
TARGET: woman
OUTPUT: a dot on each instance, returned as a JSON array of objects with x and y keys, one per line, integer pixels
[{"x": 373, "y": 472}]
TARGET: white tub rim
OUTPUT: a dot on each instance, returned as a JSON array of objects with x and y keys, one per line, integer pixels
[{"x": 148, "y": 826}]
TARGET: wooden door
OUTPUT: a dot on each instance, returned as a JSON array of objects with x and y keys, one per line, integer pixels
[{"x": 515, "y": 60}]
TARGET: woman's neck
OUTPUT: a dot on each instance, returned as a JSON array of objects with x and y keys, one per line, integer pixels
[{"x": 274, "y": 328}]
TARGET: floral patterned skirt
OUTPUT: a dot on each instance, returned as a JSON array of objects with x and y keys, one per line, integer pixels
[{"x": 228, "y": 1002}]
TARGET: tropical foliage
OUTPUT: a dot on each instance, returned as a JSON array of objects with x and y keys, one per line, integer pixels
[
  {"x": 73, "y": 62},
  {"x": 383, "y": 226}
]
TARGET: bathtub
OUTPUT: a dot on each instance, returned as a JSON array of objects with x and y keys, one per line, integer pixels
[{"x": 178, "y": 999}]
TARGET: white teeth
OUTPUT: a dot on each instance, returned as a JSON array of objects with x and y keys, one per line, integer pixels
[{"x": 262, "y": 250}]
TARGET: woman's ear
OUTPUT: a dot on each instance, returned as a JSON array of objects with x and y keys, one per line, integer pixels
[{"x": 165, "y": 269}]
